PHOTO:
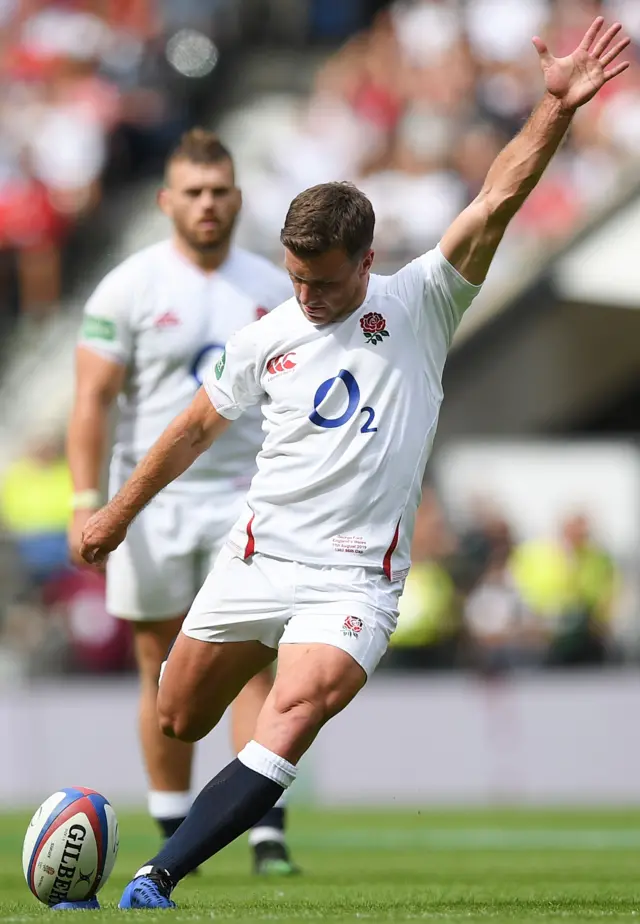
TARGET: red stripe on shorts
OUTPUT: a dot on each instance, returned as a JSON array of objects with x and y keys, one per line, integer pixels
[
  {"x": 250, "y": 547},
  {"x": 386, "y": 561}
]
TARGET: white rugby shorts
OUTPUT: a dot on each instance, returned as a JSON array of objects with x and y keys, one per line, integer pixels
[
  {"x": 169, "y": 550},
  {"x": 279, "y": 602}
]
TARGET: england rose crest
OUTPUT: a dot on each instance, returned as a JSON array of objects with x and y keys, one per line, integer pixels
[
  {"x": 374, "y": 327},
  {"x": 352, "y": 626}
]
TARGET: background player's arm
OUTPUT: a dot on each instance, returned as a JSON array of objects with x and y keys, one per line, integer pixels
[
  {"x": 186, "y": 437},
  {"x": 472, "y": 240},
  {"x": 98, "y": 382}
]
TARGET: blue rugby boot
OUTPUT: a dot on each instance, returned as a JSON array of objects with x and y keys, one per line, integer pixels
[{"x": 151, "y": 888}]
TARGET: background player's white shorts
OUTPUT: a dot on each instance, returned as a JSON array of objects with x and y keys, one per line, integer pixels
[
  {"x": 169, "y": 550},
  {"x": 280, "y": 602}
]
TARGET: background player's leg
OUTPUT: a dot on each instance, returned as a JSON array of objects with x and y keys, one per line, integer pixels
[
  {"x": 167, "y": 761},
  {"x": 267, "y": 837}
]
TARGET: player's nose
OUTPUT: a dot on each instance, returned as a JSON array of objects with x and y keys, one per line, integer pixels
[
  {"x": 306, "y": 295},
  {"x": 207, "y": 200}
]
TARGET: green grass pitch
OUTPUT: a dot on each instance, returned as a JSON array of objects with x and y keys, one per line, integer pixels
[{"x": 389, "y": 866}]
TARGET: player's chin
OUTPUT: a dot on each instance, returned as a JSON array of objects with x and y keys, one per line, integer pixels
[
  {"x": 317, "y": 315},
  {"x": 208, "y": 237}
]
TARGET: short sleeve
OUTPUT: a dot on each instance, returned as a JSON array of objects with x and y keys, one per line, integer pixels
[
  {"x": 233, "y": 383},
  {"x": 107, "y": 323},
  {"x": 436, "y": 296}
]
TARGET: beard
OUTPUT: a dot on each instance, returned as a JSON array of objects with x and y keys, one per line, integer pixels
[{"x": 206, "y": 240}]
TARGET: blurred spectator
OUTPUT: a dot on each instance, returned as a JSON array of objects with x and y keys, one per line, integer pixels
[
  {"x": 502, "y": 631},
  {"x": 35, "y": 496},
  {"x": 572, "y": 583}
]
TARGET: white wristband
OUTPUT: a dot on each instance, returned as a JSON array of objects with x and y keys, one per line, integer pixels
[{"x": 86, "y": 500}]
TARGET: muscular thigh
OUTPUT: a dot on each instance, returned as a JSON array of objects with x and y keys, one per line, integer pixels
[
  {"x": 313, "y": 683},
  {"x": 201, "y": 679}
]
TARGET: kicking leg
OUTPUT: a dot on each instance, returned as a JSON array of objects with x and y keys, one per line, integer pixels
[
  {"x": 267, "y": 837},
  {"x": 313, "y": 683}
]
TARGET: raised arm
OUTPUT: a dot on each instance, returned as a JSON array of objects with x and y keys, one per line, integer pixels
[
  {"x": 182, "y": 442},
  {"x": 472, "y": 240}
]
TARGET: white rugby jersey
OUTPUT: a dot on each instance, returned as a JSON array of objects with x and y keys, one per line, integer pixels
[
  {"x": 350, "y": 414},
  {"x": 166, "y": 320}
]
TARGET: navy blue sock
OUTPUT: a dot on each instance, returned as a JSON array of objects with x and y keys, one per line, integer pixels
[
  {"x": 228, "y": 806},
  {"x": 169, "y": 826},
  {"x": 274, "y": 818}
]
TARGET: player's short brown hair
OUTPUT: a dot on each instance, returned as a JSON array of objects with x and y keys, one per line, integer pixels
[
  {"x": 200, "y": 146},
  {"x": 328, "y": 217}
]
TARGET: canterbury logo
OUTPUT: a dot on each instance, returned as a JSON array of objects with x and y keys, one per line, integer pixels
[{"x": 282, "y": 363}]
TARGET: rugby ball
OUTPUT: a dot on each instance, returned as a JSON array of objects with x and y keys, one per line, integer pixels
[{"x": 70, "y": 846}]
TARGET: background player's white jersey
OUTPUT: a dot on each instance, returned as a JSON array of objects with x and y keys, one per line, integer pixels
[
  {"x": 350, "y": 415},
  {"x": 166, "y": 320}
]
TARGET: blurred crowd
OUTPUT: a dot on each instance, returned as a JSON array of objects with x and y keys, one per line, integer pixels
[
  {"x": 477, "y": 597},
  {"x": 53, "y": 617},
  {"x": 90, "y": 91},
  {"x": 415, "y": 109}
]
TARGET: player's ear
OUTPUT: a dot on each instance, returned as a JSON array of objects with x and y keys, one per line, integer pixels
[
  {"x": 367, "y": 262},
  {"x": 164, "y": 201}
]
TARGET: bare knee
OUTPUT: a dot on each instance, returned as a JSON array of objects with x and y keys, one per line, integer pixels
[{"x": 178, "y": 722}]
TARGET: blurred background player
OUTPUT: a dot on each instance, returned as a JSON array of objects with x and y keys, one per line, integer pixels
[{"x": 149, "y": 329}]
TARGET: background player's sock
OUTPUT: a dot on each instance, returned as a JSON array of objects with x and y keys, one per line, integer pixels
[
  {"x": 169, "y": 809},
  {"x": 271, "y": 826},
  {"x": 268, "y": 844},
  {"x": 228, "y": 806}
]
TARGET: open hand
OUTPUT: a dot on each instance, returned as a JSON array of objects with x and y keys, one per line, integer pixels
[
  {"x": 103, "y": 532},
  {"x": 576, "y": 79}
]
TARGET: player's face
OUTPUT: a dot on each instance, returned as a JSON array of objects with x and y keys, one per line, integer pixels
[
  {"x": 330, "y": 286},
  {"x": 202, "y": 201}
]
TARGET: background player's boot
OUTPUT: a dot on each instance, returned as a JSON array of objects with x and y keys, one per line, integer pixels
[
  {"x": 151, "y": 888},
  {"x": 91, "y": 904},
  {"x": 271, "y": 858}
]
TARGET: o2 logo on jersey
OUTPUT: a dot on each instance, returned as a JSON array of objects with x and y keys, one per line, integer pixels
[
  {"x": 353, "y": 395},
  {"x": 202, "y": 359}
]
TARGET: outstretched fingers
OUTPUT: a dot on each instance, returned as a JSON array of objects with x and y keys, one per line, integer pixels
[
  {"x": 614, "y": 52},
  {"x": 591, "y": 33},
  {"x": 618, "y": 69},
  {"x": 604, "y": 41}
]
